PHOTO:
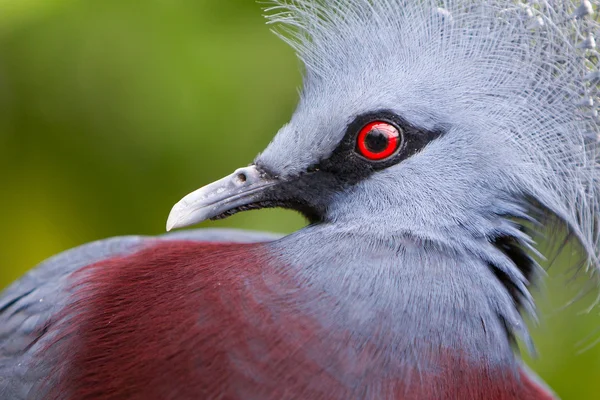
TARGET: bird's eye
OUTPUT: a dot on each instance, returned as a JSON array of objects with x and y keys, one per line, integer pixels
[{"x": 378, "y": 140}]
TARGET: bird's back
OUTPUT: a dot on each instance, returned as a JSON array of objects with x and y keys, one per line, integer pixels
[{"x": 140, "y": 318}]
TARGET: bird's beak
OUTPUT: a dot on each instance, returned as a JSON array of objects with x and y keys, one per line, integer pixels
[{"x": 240, "y": 190}]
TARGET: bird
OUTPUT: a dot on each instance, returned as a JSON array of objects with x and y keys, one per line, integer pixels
[{"x": 432, "y": 144}]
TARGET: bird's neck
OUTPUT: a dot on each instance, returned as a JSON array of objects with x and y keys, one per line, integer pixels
[{"x": 412, "y": 294}]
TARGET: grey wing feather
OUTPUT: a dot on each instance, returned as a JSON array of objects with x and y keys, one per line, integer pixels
[{"x": 28, "y": 305}]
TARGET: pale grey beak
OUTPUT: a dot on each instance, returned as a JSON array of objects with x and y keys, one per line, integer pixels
[{"x": 242, "y": 188}]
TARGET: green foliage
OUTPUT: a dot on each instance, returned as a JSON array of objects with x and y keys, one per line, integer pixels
[{"x": 112, "y": 110}]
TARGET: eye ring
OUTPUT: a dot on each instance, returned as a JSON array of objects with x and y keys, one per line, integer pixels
[{"x": 378, "y": 140}]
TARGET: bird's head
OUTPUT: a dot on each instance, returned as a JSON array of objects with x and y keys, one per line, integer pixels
[{"x": 446, "y": 124}]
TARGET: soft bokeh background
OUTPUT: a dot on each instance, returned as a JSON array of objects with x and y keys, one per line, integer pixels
[{"x": 111, "y": 110}]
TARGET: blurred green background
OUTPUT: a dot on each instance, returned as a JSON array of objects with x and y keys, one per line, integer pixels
[{"x": 112, "y": 110}]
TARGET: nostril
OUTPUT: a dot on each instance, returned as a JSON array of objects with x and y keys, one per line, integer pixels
[{"x": 241, "y": 177}]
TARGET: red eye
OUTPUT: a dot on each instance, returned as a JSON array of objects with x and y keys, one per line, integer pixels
[{"x": 378, "y": 140}]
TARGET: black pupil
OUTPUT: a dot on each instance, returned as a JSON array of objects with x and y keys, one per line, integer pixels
[{"x": 376, "y": 141}]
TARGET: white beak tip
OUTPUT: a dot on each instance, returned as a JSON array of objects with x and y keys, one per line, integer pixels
[
  {"x": 175, "y": 217},
  {"x": 170, "y": 225}
]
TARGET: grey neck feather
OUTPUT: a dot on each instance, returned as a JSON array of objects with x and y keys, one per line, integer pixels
[{"x": 423, "y": 296}]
